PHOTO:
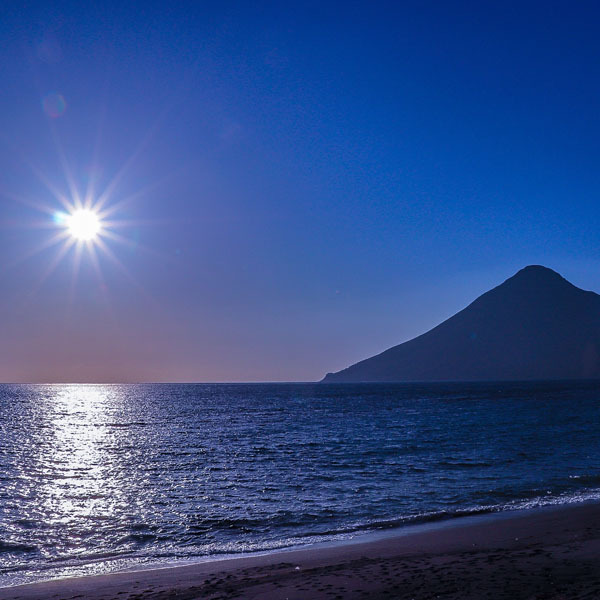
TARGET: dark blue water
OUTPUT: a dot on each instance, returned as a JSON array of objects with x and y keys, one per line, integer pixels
[{"x": 95, "y": 478}]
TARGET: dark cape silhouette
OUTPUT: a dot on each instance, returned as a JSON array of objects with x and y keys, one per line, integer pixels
[{"x": 535, "y": 325}]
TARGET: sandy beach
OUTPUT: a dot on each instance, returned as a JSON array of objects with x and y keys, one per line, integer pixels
[{"x": 533, "y": 554}]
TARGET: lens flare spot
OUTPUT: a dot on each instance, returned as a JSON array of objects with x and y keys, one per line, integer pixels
[
  {"x": 54, "y": 105},
  {"x": 60, "y": 217}
]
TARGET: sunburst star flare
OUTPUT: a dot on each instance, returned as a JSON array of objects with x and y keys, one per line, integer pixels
[{"x": 83, "y": 224}]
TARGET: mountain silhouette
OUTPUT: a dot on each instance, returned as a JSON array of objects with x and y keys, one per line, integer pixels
[{"x": 535, "y": 325}]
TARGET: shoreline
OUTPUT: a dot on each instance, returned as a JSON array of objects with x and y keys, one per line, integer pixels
[
  {"x": 544, "y": 550},
  {"x": 421, "y": 523},
  {"x": 360, "y": 536}
]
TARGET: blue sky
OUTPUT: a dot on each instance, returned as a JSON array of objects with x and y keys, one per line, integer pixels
[{"x": 294, "y": 187}]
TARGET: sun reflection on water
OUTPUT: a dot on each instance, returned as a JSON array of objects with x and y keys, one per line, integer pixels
[
  {"x": 77, "y": 459},
  {"x": 82, "y": 480}
]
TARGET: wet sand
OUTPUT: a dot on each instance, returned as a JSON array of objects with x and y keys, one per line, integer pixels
[{"x": 551, "y": 553}]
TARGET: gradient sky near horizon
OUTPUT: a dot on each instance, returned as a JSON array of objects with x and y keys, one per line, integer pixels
[{"x": 293, "y": 187}]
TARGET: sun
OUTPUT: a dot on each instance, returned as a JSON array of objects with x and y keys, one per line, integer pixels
[{"x": 83, "y": 224}]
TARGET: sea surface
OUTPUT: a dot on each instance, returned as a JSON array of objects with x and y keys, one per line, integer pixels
[{"x": 95, "y": 478}]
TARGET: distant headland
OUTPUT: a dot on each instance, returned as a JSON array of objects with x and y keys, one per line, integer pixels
[{"x": 535, "y": 325}]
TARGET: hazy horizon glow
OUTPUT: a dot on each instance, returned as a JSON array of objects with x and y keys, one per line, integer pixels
[{"x": 281, "y": 191}]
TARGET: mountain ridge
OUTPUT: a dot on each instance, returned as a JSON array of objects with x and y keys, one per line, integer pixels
[{"x": 534, "y": 325}]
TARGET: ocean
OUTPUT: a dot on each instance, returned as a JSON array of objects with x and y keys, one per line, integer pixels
[{"x": 96, "y": 478}]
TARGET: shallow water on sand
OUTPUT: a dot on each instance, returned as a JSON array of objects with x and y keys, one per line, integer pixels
[{"x": 100, "y": 477}]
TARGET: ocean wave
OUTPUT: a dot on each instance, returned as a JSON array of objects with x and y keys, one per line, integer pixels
[
  {"x": 537, "y": 501},
  {"x": 464, "y": 464},
  {"x": 17, "y": 548}
]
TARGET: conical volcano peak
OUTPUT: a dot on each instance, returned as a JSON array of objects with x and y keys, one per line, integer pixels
[
  {"x": 538, "y": 275},
  {"x": 535, "y": 325},
  {"x": 538, "y": 272}
]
